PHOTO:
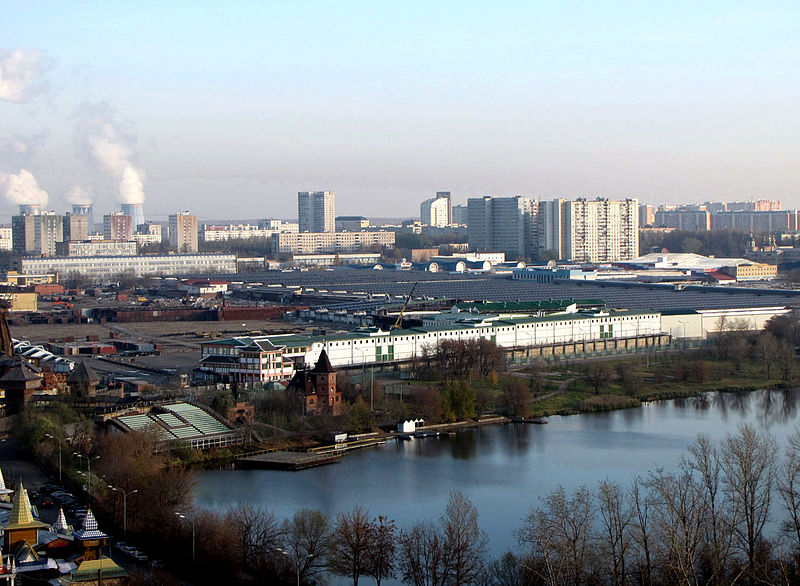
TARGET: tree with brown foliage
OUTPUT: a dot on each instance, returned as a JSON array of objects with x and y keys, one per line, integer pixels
[
  {"x": 421, "y": 555},
  {"x": 599, "y": 374},
  {"x": 130, "y": 462},
  {"x": 307, "y": 542},
  {"x": 351, "y": 542},
  {"x": 516, "y": 398},
  {"x": 381, "y": 553}
]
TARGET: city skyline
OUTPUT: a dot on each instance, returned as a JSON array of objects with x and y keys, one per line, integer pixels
[{"x": 249, "y": 104}]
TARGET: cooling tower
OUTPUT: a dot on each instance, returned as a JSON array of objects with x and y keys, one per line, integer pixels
[
  {"x": 135, "y": 211},
  {"x": 30, "y": 209}
]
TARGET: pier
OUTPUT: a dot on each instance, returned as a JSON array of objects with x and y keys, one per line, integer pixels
[{"x": 286, "y": 460}]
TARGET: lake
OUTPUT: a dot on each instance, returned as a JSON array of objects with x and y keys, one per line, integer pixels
[{"x": 506, "y": 469}]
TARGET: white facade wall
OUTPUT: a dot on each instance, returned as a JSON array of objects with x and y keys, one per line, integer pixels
[
  {"x": 105, "y": 266},
  {"x": 6, "y": 241}
]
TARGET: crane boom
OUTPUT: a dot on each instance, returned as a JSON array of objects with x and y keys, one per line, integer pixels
[{"x": 399, "y": 319}]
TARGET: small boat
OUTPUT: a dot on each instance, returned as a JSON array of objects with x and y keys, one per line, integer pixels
[{"x": 405, "y": 437}]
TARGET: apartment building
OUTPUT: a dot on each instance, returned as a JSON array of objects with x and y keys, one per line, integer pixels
[
  {"x": 684, "y": 219},
  {"x": 316, "y": 211},
  {"x": 601, "y": 230},
  {"x": 502, "y": 224},
  {"x": 183, "y": 232},
  {"x": 351, "y": 223},
  {"x": 36, "y": 233},
  {"x": 437, "y": 211},
  {"x": 322, "y": 242},
  {"x": 76, "y": 226},
  {"x": 6, "y": 238},
  {"x": 117, "y": 226},
  {"x": 103, "y": 267}
]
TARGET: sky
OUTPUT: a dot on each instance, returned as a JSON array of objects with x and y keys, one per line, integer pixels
[{"x": 230, "y": 109}]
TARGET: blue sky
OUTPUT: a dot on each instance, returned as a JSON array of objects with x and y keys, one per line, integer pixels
[{"x": 229, "y": 110}]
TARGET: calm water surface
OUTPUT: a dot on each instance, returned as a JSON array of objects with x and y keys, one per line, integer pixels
[{"x": 505, "y": 470}]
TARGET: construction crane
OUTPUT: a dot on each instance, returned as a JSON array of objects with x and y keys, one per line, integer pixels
[{"x": 399, "y": 319}]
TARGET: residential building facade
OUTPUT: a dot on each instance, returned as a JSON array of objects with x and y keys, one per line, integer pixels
[
  {"x": 322, "y": 242},
  {"x": 139, "y": 266},
  {"x": 183, "y": 232},
  {"x": 503, "y": 224},
  {"x": 316, "y": 211},
  {"x": 437, "y": 211}
]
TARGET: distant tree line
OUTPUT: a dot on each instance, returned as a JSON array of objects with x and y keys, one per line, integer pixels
[{"x": 717, "y": 243}]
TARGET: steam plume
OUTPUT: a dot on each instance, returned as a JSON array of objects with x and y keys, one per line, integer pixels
[
  {"x": 78, "y": 194},
  {"x": 18, "y": 71},
  {"x": 23, "y": 188},
  {"x": 110, "y": 149}
]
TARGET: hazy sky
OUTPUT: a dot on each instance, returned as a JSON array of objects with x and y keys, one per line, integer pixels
[{"x": 229, "y": 108}]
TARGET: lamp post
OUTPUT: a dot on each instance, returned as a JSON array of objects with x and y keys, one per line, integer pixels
[
  {"x": 58, "y": 442},
  {"x": 88, "y": 469},
  {"x": 364, "y": 377},
  {"x": 182, "y": 516},
  {"x": 124, "y": 506},
  {"x": 296, "y": 561}
]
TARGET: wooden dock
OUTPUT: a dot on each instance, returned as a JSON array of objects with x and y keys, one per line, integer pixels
[{"x": 286, "y": 460}]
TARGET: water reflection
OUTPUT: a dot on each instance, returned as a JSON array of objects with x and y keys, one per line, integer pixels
[{"x": 504, "y": 469}]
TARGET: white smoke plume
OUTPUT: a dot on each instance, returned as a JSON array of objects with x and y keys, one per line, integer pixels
[
  {"x": 78, "y": 194},
  {"x": 107, "y": 147},
  {"x": 18, "y": 72},
  {"x": 23, "y": 188}
]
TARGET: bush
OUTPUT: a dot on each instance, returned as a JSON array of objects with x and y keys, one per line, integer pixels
[{"x": 608, "y": 403}]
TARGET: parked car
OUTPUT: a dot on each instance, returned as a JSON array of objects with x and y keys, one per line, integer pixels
[{"x": 45, "y": 502}]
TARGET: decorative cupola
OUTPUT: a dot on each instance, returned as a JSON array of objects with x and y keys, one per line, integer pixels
[{"x": 21, "y": 527}]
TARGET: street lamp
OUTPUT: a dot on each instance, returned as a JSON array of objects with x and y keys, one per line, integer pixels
[
  {"x": 58, "y": 442},
  {"x": 124, "y": 506},
  {"x": 296, "y": 561},
  {"x": 182, "y": 516},
  {"x": 88, "y": 470}
]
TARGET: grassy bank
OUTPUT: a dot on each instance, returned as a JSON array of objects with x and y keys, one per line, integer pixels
[{"x": 658, "y": 382}]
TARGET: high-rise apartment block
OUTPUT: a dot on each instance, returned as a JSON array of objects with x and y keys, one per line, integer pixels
[
  {"x": 683, "y": 219},
  {"x": 459, "y": 214},
  {"x": 183, "y": 232},
  {"x": 316, "y": 211},
  {"x": 598, "y": 230},
  {"x": 76, "y": 227},
  {"x": 117, "y": 226},
  {"x": 37, "y": 234},
  {"x": 502, "y": 224},
  {"x": 437, "y": 211},
  {"x": 351, "y": 223}
]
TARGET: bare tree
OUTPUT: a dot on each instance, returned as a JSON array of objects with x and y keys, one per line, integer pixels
[
  {"x": 464, "y": 541},
  {"x": 598, "y": 375},
  {"x": 748, "y": 461},
  {"x": 421, "y": 558},
  {"x": 767, "y": 350},
  {"x": 351, "y": 541},
  {"x": 506, "y": 571},
  {"x": 381, "y": 554},
  {"x": 641, "y": 527},
  {"x": 560, "y": 537},
  {"x": 307, "y": 542},
  {"x": 257, "y": 532},
  {"x": 720, "y": 515},
  {"x": 788, "y": 482},
  {"x": 614, "y": 539},
  {"x": 678, "y": 522}
]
